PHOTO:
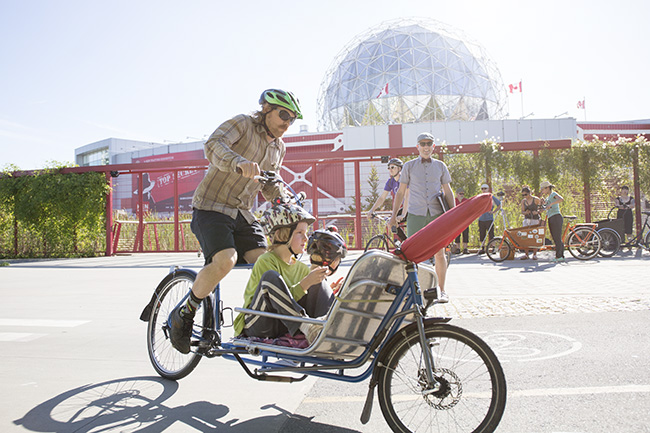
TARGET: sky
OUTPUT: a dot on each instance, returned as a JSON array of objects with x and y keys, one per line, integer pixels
[{"x": 73, "y": 72}]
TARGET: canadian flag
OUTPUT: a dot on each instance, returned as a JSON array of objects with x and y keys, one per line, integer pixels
[
  {"x": 383, "y": 91},
  {"x": 581, "y": 104},
  {"x": 514, "y": 87}
]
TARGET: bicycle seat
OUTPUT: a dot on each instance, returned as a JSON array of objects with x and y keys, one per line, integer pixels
[
  {"x": 645, "y": 212},
  {"x": 569, "y": 217}
]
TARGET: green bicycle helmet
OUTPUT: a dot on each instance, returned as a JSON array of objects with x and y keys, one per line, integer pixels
[{"x": 283, "y": 99}]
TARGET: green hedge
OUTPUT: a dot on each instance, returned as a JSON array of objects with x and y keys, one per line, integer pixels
[{"x": 50, "y": 214}]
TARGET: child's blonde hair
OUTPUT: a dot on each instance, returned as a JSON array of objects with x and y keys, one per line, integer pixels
[{"x": 280, "y": 237}]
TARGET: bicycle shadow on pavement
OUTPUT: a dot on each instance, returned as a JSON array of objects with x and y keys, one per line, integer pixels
[{"x": 136, "y": 404}]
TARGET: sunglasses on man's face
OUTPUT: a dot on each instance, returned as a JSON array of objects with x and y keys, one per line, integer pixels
[
  {"x": 392, "y": 167},
  {"x": 426, "y": 143},
  {"x": 524, "y": 195},
  {"x": 286, "y": 116}
]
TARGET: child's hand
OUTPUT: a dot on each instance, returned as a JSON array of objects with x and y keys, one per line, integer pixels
[
  {"x": 315, "y": 276},
  {"x": 337, "y": 285}
]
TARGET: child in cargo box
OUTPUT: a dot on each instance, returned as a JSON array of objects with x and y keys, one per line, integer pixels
[{"x": 281, "y": 284}]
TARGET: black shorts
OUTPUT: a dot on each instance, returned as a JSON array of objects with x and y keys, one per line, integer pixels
[{"x": 216, "y": 232}]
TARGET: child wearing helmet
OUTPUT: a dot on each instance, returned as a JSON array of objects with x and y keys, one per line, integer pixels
[
  {"x": 325, "y": 248},
  {"x": 279, "y": 283}
]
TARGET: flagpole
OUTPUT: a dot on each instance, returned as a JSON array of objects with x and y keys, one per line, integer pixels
[{"x": 521, "y": 92}]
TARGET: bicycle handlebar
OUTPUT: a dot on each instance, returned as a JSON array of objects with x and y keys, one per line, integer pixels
[{"x": 288, "y": 195}]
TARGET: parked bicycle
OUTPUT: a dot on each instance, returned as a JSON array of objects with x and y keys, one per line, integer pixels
[
  {"x": 582, "y": 240},
  {"x": 642, "y": 238},
  {"x": 429, "y": 375},
  {"x": 387, "y": 240},
  {"x": 612, "y": 232}
]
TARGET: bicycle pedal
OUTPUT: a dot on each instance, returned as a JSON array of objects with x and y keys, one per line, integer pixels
[{"x": 430, "y": 295}]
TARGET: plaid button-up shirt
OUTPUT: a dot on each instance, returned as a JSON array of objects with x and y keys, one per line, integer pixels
[{"x": 223, "y": 190}]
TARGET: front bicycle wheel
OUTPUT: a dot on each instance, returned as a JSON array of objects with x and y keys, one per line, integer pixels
[
  {"x": 498, "y": 249},
  {"x": 377, "y": 242},
  {"x": 167, "y": 361},
  {"x": 646, "y": 241},
  {"x": 584, "y": 243},
  {"x": 470, "y": 390},
  {"x": 610, "y": 242}
]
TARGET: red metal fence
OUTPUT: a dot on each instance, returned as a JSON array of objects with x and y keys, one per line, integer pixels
[{"x": 310, "y": 171}]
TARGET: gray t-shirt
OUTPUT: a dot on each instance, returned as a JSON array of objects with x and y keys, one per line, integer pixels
[{"x": 425, "y": 180}]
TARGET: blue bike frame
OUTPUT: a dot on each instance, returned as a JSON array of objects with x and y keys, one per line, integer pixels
[{"x": 409, "y": 295}]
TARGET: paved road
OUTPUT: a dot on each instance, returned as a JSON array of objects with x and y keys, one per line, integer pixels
[{"x": 573, "y": 339}]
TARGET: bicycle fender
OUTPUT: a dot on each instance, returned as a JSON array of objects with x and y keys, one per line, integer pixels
[
  {"x": 146, "y": 312},
  {"x": 399, "y": 335},
  {"x": 367, "y": 407}
]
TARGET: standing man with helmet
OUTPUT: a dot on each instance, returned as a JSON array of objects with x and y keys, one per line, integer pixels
[
  {"x": 222, "y": 219},
  {"x": 428, "y": 183},
  {"x": 392, "y": 186}
]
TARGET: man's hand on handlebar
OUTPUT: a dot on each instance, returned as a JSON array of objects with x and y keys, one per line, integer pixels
[
  {"x": 249, "y": 169},
  {"x": 392, "y": 223}
]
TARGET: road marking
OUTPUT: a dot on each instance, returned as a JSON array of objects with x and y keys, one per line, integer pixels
[
  {"x": 543, "y": 392},
  {"x": 515, "y": 345},
  {"x": 45, "y": 323},
  {"x": 22, "y": 337},
  {"x": 19, "y": 336},
  {"x": 539, "y": 392}
]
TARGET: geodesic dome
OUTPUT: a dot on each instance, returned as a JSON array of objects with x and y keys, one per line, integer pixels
[{"x": 410, "y": 70}]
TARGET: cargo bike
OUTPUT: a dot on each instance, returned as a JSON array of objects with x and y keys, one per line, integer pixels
[
  {"x": 429, "y": 375},
  {"x": 582, "y": 240}
]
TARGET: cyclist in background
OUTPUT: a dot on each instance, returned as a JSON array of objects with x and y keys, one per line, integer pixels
[
  {"x": 392, "y": 186},
  {"x": 222, "y": 219}
]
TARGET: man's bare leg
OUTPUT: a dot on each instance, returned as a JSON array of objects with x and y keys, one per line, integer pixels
[
  {"x": 212, "y": 273},
  {"x": 252, "y": 255},
  {"x": 441, "y": 271}
]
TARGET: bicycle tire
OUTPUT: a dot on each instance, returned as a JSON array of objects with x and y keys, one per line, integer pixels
[
  {"x": 610, "y": 242},
  {"x": 498, "y": 249},
  {"x": 583, "y": 243},
  {"x": 377, "y": 242},
  {"x": 472, "y": 397},
  {"x": 166, "y": 360},
  {"x": 646, "y": 241}
]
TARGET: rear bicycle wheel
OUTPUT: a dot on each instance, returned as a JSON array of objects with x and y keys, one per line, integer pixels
[
  {"x": 498, "y": 249},
  {"x": 377, "y": 242},
  {"x": 166, "y": 360},
  {"x": 471, "y": 391},
  {"x": 610, "y": 242},
  {"x": 583, "y": 243}
]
